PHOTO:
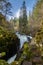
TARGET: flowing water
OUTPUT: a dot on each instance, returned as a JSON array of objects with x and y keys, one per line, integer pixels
[{"x": 23, "y": 38}]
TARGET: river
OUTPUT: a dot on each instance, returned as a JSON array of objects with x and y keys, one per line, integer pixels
[{"x": 23, "y": 38}]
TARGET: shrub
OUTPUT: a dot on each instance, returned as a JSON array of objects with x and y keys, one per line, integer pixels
[{"x": 3, "y": 62}]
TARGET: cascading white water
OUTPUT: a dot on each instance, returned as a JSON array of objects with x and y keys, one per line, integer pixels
[{"x": 23, "y": 38}]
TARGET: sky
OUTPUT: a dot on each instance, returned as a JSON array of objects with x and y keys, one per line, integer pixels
[{"x": 16, "y": 5}]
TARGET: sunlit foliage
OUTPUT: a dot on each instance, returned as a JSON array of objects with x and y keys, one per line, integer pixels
[{"x": 2, "y": 62}]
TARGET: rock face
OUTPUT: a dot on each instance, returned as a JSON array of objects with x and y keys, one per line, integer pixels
[
  {"x": 27, "y": 63},
  {"x": 37, "y": 60}
]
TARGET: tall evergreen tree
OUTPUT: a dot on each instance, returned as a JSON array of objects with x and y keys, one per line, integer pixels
[{"x": 23, "y": 19}]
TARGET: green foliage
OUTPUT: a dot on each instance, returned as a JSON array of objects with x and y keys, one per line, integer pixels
[
  {"x": 2, "y": 62},
  {"x": 9, "y": 42},
  {"x": 2, "y": 54},
  {"x": 39, "y": 35},
  {"x": 36, "y": 18},
  {"x": 37, "y": 10},
  {"x": 26, "y": 54},
  {"x": 5, "y": 24},
  {"x": 39, "y": 40},
  {"x": 15, "y": 63}
]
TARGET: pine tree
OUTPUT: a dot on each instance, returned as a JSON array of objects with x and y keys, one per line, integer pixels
[{"x": 23, "y": 19}]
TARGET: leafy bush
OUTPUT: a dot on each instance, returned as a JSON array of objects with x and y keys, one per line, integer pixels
[
  {"x": 26, "y": 53},
  {"x": 2, "y": 54},
  {"x": 15, "y": 63},
  {"x": 2, "y": 62},
  {"x": 9, "y": 42}
]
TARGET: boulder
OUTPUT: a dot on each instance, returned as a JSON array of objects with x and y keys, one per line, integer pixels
[{"x": 27, "y": 63}]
